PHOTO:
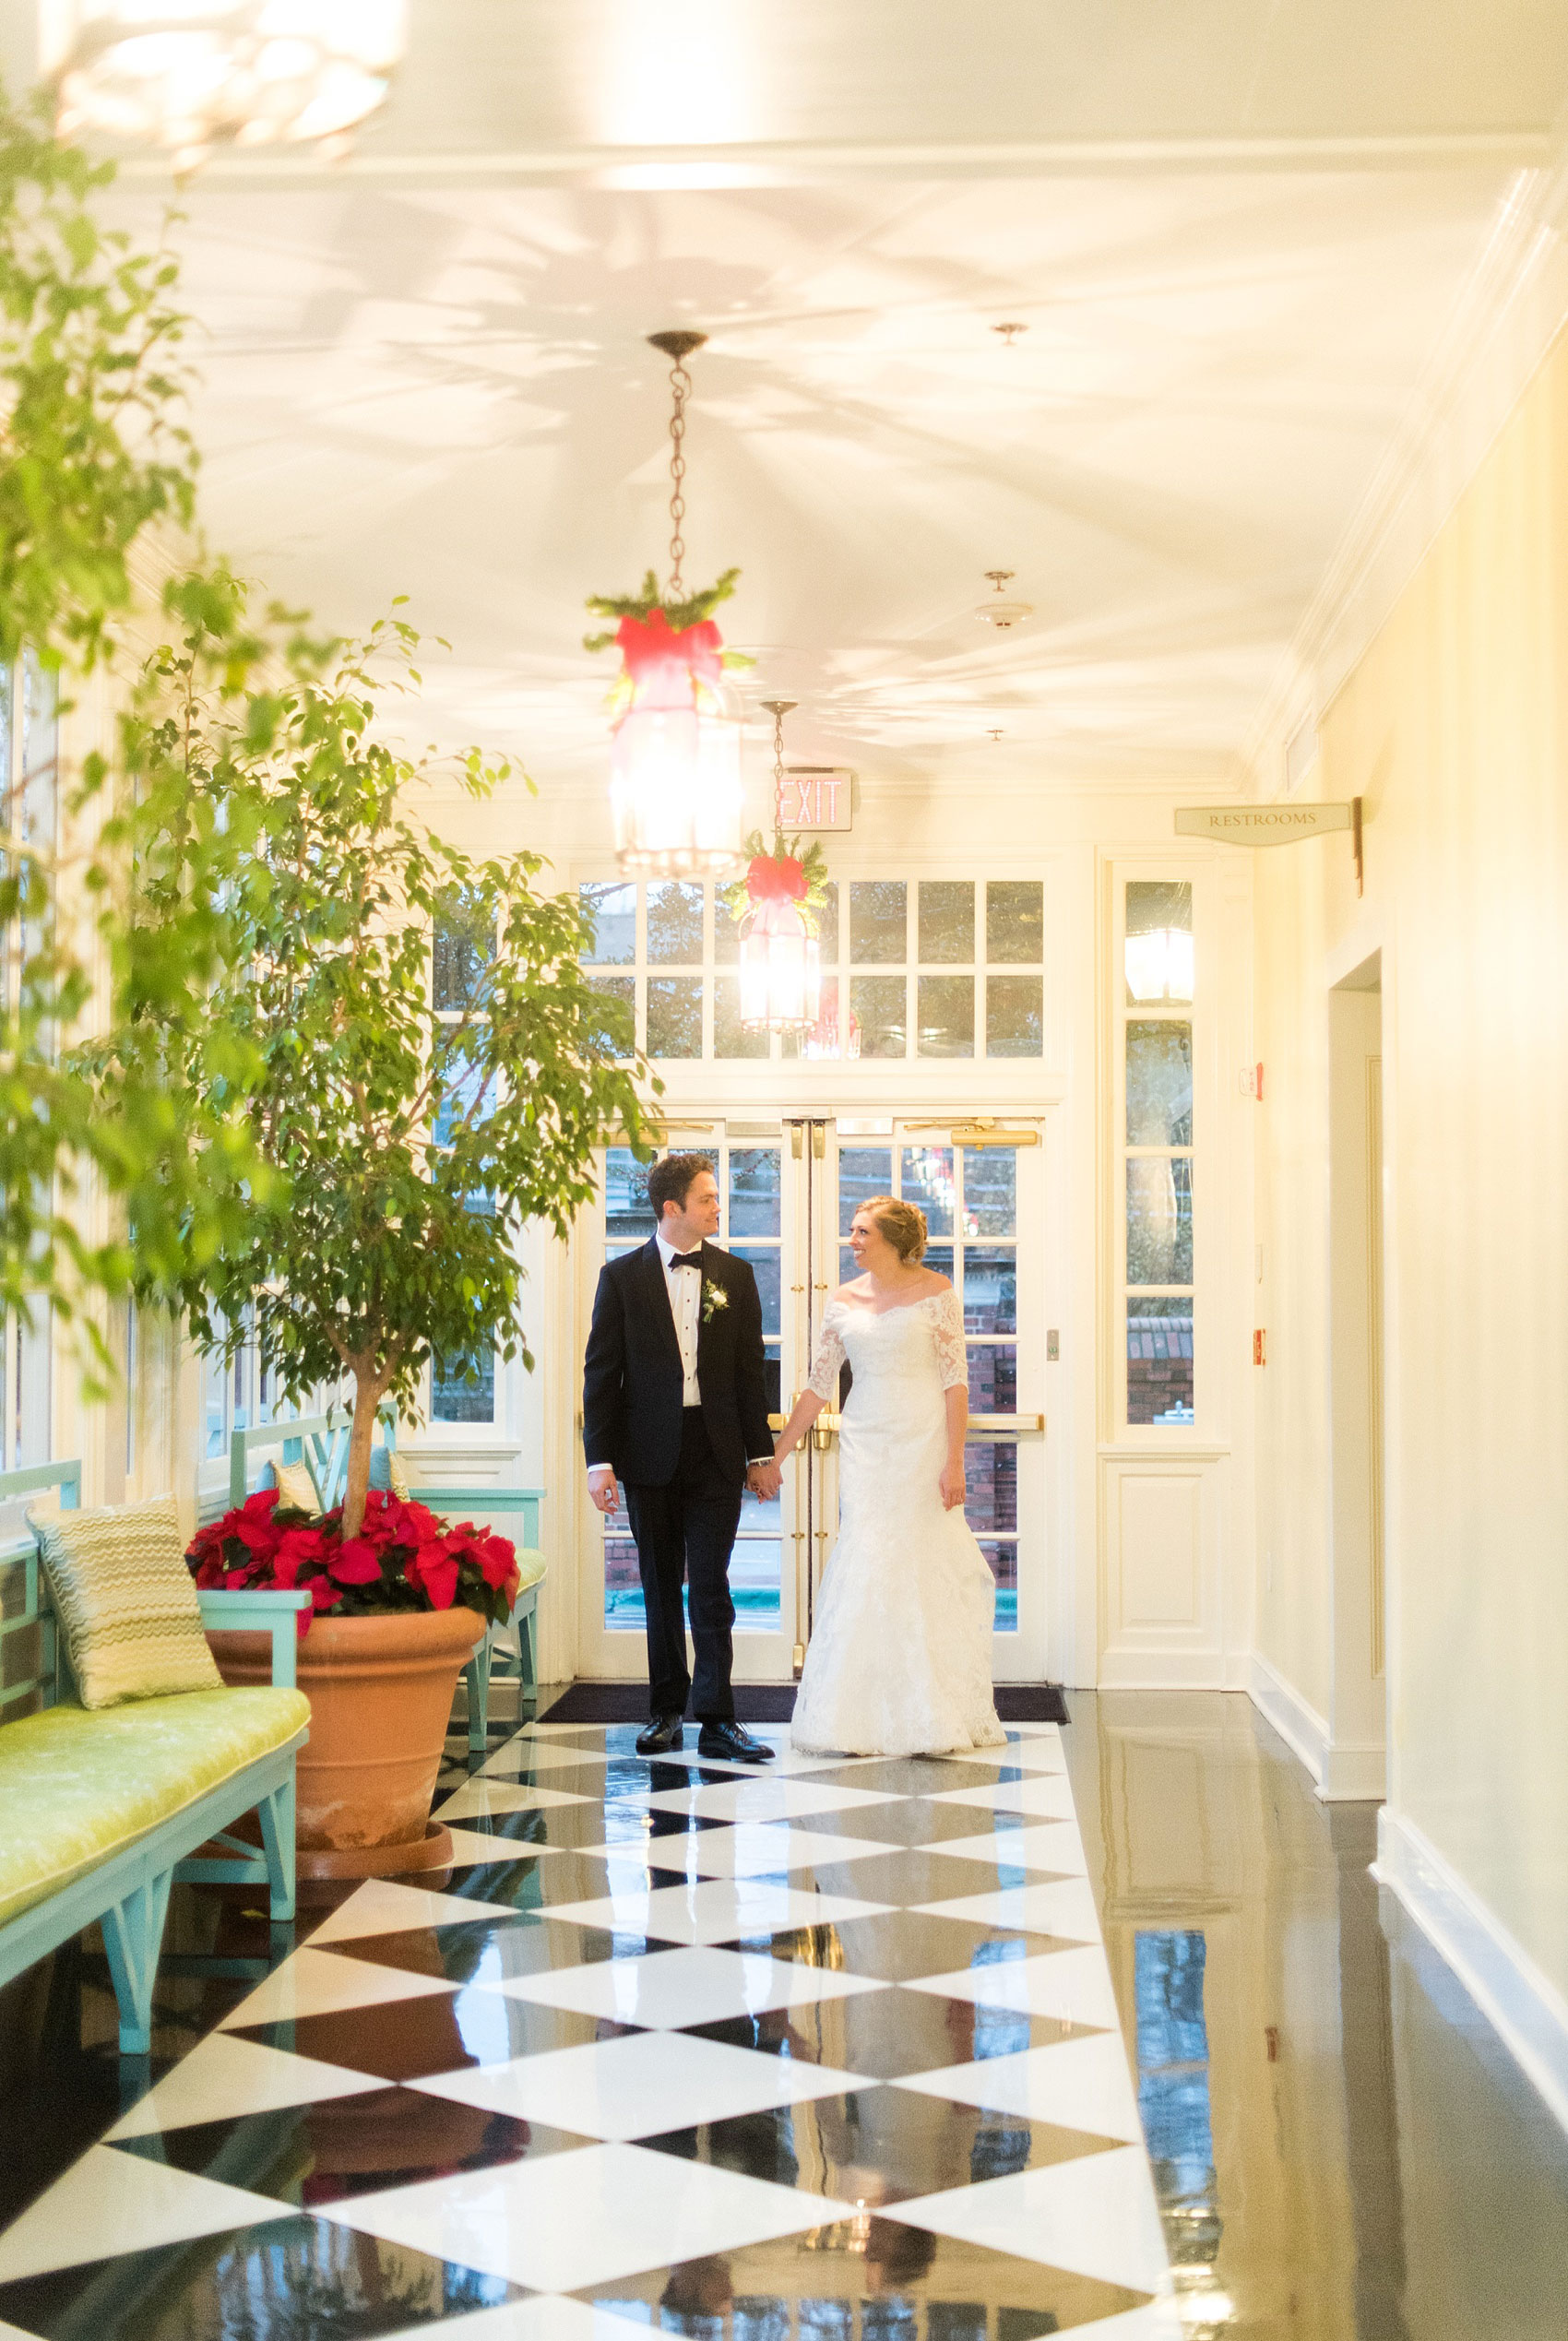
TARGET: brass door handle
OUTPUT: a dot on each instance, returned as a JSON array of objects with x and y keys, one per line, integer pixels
[{"x": 1006, "y": 1423}]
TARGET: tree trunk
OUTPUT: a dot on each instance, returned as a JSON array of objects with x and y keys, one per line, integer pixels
[{"x": 368, "y": 1390}]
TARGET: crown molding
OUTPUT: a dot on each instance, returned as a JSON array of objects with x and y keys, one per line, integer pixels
[{"x": 1508, "y": 313}]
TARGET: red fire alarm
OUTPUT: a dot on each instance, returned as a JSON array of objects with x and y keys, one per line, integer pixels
[{"x": 1260, "y": 1344}]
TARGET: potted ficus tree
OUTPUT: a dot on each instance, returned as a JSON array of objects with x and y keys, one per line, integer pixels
[{"x": 411, "y": 1129}]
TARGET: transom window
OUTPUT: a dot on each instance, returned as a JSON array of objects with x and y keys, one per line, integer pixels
[{"x": 931, "y": 967}]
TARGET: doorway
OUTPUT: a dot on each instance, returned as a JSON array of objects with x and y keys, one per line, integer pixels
[
  {"x": 1354, "y": 1761},
  {"x": 788, "y": 1189}
]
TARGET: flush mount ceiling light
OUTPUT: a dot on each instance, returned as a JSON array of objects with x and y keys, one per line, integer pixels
[
  {"x": 1010, "y": 331},
  {"x": 190, "y": 75},
  {"x": 998, "y": 611}
]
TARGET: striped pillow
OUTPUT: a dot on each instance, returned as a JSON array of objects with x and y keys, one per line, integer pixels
[{"x": 125, "y": 1603}]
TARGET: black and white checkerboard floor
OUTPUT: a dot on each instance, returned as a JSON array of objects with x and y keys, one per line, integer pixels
[{"x": 828, "y": 2052}]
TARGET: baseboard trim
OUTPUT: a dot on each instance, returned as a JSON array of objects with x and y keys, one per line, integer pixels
[
  {"x": 1301, "y": 1726},
  {"x": 1354, "y": 1774},
  {"x": 1523, "y": 2005}
]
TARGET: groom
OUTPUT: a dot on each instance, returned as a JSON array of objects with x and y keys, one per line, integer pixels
[{"x": 675, "y": 1409}]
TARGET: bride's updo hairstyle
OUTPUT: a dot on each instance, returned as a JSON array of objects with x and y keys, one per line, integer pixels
[{"x": 902, "y": 1223}]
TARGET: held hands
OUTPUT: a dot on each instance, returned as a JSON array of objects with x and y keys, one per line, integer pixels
[
  {"x": 951, "y": 1484},
  {"x": 764, "y": 1480}
]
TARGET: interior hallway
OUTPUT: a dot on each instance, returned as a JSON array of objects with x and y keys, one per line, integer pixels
[{"x": 379, "y": 2137}]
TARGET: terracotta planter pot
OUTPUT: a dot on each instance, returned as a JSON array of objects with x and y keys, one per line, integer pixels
[{"x": 380, "y": 1692}]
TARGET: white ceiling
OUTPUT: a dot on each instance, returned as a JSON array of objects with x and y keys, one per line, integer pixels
[{"x": 1235, "y": 230}]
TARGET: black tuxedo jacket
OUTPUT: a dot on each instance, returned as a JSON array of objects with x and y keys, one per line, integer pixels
[{"x": 631, "y": 1377}]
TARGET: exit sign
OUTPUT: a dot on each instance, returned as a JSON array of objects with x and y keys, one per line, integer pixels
[{"x": 815, "y": 796}]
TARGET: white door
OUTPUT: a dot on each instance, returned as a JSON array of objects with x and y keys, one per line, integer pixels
[{"x": 788, "y": 1189}]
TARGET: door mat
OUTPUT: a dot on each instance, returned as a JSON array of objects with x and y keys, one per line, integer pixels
[{"x": 775, "y": 1702}]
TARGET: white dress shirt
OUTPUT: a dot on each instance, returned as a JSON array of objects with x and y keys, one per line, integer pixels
[{"x": 684, "y": 1289}]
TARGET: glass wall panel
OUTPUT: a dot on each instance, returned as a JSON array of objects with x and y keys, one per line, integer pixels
[
  {"x": 926, "y": 1177},
  {"x": 1159, "y": 1358},
  {"x": 1014, "y": 923},
  {"x": 1160, "y": 1083},
  {"x": 946, "y": 922},
  {"x": 1014, "y": 1016},
  {"x": 1158, "y": 941},
  {"x": 674, "y": 1015},
  {"x": 755, "y": 1195},
  {"x": 879, "y": 923},
  {"x": 674, "y": 923},
  {"x": 1160, "y": 1219},
  {"x": 613, "y": 908},
  {"x": 991, "y": 1191},
  {"x": 946, "y": 1016},
  {"x": 618, "y": 1031},
  {"x": 879, "y": 1006},
  {"x": 730, "y": 1037}
]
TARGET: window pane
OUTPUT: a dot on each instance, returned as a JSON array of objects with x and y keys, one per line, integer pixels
[
  {"x": 461, "y": 944},
  {"x": 674, "y": 924},
  {"x": 1002, "y": 1560},
  {"x": 926, "y": 1177},
  {"x": 946, "y": 1016},
  {"x": 991, "y": 1291},
  {"x": 1014, "y": 1016},
  {"x": 827, "y": 925},
  {"x": 622, "y": 1578},
  {"x": 1160, "y": 940},
  {"x": 878, "y": 921},
  {"x": 765, "y": 1263},
  {"x": 726, "y": 935},
  {"x": 824, "y": 1039},
  {"x": 627, "y": 1211},
  {"x": 464, "y": 1097},
  {"x": 674, "y": 1015},
  {"x": 991, "y": 1191},
  {"x": 878, "y": 1004},
  {"x": 1014, "y": 923},
  {"x": 993, "y": 1377},
  {"x": 991, "y": 1478},
  {"x": 613, "y": 910},
  {"x": 754, "y": 1191},
  {"x": 1159, "y": 1358},
  {"x": 1160, "y": 1219},
  {"x": 947, "y": 922},
  {"x": 730, "y": 1037},
  {"x": 1160, "y": 1085},
  {"x": 618, "y": 1030},
  {"x": 462, "y": 1388},
  {"x": 939, "y": 1256},
  {"x": 863, "y": 1172}
]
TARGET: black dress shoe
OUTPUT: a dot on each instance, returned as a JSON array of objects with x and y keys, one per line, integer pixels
[
  {"x": 737, "y": 1746},
  {"x": 664, "y": 1733}
]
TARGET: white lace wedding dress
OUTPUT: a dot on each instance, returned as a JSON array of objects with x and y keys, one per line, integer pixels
[{"x": 899, "y": 1662}]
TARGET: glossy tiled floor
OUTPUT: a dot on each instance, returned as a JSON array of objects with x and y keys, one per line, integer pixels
[
  {"x": 831, "y": 2051},
  {"x": 839, "y": 2052}
]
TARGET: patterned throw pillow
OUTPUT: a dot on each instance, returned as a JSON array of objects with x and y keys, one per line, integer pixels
[
  {"x": 387, "y": 1473},
  {"x": 125, "y": 1603},
  {"x": 296, "y": 1489}
]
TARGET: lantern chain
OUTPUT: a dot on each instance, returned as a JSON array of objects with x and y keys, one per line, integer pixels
[{"x": 681, "y": 386}]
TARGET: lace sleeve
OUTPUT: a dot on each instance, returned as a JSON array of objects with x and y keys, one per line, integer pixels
[
  {"x": 948, "y": 1324},
  {"x": 823, "y": 1378}
]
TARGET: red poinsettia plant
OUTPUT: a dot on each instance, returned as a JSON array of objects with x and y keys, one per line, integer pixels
[{"x": 403, "y": 1558}]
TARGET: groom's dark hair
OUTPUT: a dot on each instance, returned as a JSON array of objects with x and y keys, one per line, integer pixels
[{"x": 671, "y": 1180}]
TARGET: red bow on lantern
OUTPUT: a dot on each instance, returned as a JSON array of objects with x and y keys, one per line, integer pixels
[
  {"x": 776, "y": 878},
  {"x": 664, "y": 666}
]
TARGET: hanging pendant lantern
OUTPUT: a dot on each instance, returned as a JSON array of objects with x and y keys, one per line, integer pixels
[
  {"x": 675, "y": 762},
  {"x": 780, "y": 958}
]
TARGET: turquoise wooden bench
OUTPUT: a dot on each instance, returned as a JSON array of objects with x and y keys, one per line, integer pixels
[
  {"x": 160, "y": 1752},
  {"x": 321, "y": 1442}
]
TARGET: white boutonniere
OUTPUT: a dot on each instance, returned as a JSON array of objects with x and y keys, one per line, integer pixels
[{"x": 713, "y": 1298}]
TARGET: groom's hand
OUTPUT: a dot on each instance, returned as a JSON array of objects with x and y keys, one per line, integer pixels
[
  {"x": 764, "y": 1479},
  {"x": 606, "y": 1495}
]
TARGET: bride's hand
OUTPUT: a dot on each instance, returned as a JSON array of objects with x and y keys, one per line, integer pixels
[{"x": 951, "y": 1485}]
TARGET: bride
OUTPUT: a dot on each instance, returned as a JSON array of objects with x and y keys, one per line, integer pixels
[{"x": 900, "y": 1663}]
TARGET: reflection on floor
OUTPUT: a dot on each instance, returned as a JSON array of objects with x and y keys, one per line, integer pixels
[
  {"x": 831, "y": 2055},
  {"x": 830, "y": 2052}
]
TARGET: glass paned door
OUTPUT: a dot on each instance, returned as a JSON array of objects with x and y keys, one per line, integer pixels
[
  {"x": 747, "y": 1160},
  {"x": 789, "y": 1193}
]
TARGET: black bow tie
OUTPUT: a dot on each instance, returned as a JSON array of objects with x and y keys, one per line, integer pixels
[{"x": 685, "y": 1260}]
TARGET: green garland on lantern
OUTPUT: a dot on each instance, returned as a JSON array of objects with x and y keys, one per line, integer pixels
[{"x": 739, "y": 899}]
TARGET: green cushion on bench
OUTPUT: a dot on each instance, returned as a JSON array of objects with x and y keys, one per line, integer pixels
[
  {"x": 531, "y": 1566},
  {"x": 75, "y": 1786}
]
